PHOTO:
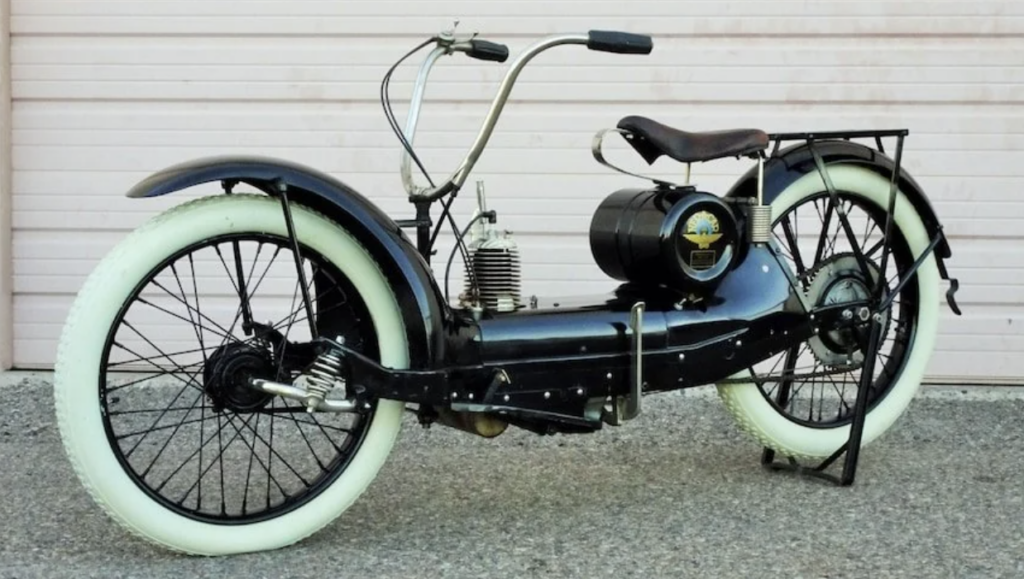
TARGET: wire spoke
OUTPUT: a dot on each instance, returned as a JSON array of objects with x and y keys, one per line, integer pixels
[
  {"x": 270, "y": 457},
  {"x": 842, "y": 399},
  {"x": 199, "y": 466},
  {"x": 248, "y": 473},
  {"x": 154, "y": 346},
  {"x": 171, "y": 436},
  {"x": 152, "y": 410},
  {"x": 162, "y": 372},
  {"x": 227, "y": 270},
  {"x": 173, "y": 373},
  {"x": 273, "y": 258},
  {"x": 199, "y": 313},
  {"x": 287, "y": 465},
  {"x": 870, "y": 226},
  {"x": 220, "y": 334},
  {"x": 215, "y": 436},
  {"x": 308, "y": 444},
  {"x": 150, "y": 358},
  {"x": 319, "y": 424},
  {"x": 324, "y": 432},
  {"x": 839, "y": 228},
  {"x": 195, "y": 325},
  {"x": 187, "y": 384},
  {"x": 188, "y": 307},
  {"x": 252, "y": 454},
  {"x": 155, "y": 428},
  {"x": 220, "y": 458},
  {"x": 187, "y": 460}
]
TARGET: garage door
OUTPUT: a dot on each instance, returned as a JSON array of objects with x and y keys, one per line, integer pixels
[{"x": 108, "y": 91}]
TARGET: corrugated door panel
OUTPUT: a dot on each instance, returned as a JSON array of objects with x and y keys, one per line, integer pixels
[{"x": 108, "y": 91}]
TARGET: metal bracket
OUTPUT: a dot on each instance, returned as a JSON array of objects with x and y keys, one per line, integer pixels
[
  {"x": 628, "y": 407},
  {"x": 595, "y": 149},
  {"x": 282, "y": 190},
  {"x": 636, "y": 370}
]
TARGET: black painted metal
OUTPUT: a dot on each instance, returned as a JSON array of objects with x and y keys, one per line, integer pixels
[
  {"x": 897, "y": 179},
  {"x": 423, "y": 224},
  {"x": 542, "y": 367},
  {"x": 887, "y": 302},
  {"x": 787, "y": 165},
  {"x": 890, "y": 220},
  {"x": 424, "y": 312},
  {"x": 243, "y": 294},
  {"x": 844, "y": 221},
  {"x": 554, "y": 359},
  {"x": 852, "y": 446},
  {"x": 860, "y": 407},
  {"x": 640, "y": 236},
  {"x": 818, "y": 135},
  {"x": 307, "y": 304},
  {"x": 346, "y": 452},
  {"x": 588, "y": 326}
]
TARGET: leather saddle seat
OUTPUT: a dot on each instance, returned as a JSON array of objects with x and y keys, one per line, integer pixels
[{"x": 652, "y": 139}]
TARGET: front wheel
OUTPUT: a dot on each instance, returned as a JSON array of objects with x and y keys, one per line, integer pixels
[
  {"x": 799, "y": 403},
  {"x": 154, "y": 365}
]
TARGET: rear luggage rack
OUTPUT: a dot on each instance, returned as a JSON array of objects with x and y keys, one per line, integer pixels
[{"x": 779, "y": 138}]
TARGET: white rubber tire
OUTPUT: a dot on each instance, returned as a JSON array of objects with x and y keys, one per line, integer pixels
[
  {"x": 93, "y": 313},
  {"x": 758, "y": 416}
]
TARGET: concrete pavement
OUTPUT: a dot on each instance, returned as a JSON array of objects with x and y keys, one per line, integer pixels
[{"x": 676, "y": 493}]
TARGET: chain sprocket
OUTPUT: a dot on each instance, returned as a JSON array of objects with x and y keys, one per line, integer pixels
[
  {"x": 816, "y": 281},
  {"x": 837, "y": 280}
]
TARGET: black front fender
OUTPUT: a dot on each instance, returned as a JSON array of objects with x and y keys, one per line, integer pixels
[
  {"x": 422, "y": 307},
  {"x": 792, "y": 163}
]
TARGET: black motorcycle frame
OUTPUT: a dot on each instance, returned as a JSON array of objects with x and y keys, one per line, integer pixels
[{"x": 551, "y": 366}]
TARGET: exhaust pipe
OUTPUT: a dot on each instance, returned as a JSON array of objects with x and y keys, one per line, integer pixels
[{"x": 478, "y": 423}]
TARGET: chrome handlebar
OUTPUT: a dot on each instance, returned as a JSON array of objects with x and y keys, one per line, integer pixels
[{"x": 619, "y": 42}]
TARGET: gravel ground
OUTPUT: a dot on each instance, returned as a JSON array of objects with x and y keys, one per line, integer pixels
[{"x": 676, "y": 493}]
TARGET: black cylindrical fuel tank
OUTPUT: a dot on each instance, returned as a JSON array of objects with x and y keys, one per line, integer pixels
[{"x": 681, "y": 238}]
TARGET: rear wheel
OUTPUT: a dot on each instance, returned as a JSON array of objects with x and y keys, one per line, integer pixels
[
  {"x": 152, "y": 381},
  {"x": 799, "y": 403}
]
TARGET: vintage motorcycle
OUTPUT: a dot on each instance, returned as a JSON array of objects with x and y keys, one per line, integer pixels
[{"x": 234, "y": 373}]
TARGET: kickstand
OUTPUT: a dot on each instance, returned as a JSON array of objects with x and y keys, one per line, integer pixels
[{"x": 851, "y": 448}]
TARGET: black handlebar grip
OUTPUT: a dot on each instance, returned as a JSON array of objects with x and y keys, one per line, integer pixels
[
  {"x": 619, "y": 42},
  {"x": 486, "y": 50}
]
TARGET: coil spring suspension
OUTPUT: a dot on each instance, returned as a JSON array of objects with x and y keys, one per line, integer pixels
[
  {"x": 322, "y": 377},
  {"x": 760, "y": 221}
]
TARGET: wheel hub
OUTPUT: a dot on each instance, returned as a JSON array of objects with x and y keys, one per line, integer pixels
[
  {"x": 228, "y": 375},
  {"x": 839, "y": 280}
]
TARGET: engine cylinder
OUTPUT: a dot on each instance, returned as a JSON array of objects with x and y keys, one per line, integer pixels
[
  {"x": 494, "y": 265},
  {"x": 680, "y": 238}
]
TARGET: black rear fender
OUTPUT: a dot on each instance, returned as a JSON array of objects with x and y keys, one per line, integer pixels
[
  {"x": 792, "y": 163},
  {"x": 422, "y": 307}
]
